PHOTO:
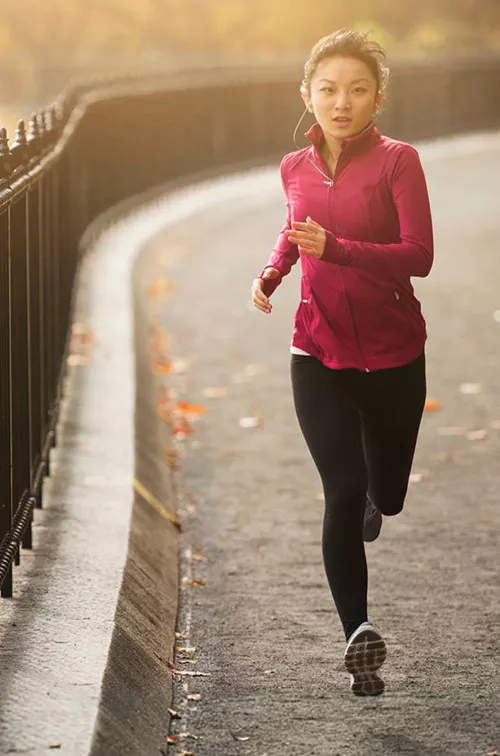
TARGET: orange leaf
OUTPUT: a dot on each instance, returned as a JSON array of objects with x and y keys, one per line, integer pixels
[
  {"x": 172, "y": 459},
  {"x": 432, "y": 405},
  {"x": 182, "y": 428},
  {"x": 159, "y": 288},
  {"x": 190, "y": 409},
  {"x": 162, "y": 367}
]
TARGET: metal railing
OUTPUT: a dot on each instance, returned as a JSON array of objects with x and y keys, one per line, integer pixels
[{"x": 106, "y": 141}]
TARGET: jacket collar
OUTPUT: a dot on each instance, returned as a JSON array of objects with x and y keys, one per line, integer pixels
[{"x": 316, "y": 136}]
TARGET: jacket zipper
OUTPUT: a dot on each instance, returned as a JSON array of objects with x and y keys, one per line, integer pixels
[{"x": 331, "y": 187}]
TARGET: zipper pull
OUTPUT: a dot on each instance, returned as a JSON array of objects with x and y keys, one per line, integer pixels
[{"x": 329, "y": 182}]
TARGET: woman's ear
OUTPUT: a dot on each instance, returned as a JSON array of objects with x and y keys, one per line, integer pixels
[{"x": 378, "y": 103}]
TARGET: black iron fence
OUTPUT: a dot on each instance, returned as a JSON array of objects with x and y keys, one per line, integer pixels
[{"x": 107, "y": 141}]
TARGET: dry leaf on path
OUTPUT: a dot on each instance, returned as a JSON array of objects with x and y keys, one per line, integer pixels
[
  {"x": 172, "y": 459},
  {"x": 215, "y": 392},
  {"x": 79, "y": 360},
  {"x": 477, "y": 435},
  {"x": 182, "y": 428},
  {"x": 471, "y": 388},
  {"x": 199, "y": 558},
  {"x": 452, "y": 430},
  {"x": 180, "y": 365},
  {"x": 174, "y": 714},
  {"x": 416, "y": 477},
  {"x": 195, "y": 581},
  {"x": 432, "y": 405},
  {"x": 192, "y": 410},
  {"x": 82, "y": 334},
  {"x": 253, "y": 370},
  {"x": 162, "y": 367},
  {"x": 251, "y": 422},
  {"x": 159, "y": 288},
  {"x": 194, "y": 697}
]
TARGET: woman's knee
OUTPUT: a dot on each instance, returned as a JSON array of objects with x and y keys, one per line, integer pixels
[{"x": 390, "y": 504}]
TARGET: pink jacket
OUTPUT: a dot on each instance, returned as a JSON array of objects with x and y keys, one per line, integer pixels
[{"x": 358, "y": 309}]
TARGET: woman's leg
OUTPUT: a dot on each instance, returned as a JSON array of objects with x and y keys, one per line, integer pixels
[
  {"x": 330, "y": 423},
  {"x": 393, "y": 403}
]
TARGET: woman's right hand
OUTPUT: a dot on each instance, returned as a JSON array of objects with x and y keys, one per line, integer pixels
[{"x": 259, "y": 299}]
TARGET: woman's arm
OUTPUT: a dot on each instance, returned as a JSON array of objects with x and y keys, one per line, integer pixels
[
  {"x": 284, "y": 254},
  {"x": 413, "y": 254}
]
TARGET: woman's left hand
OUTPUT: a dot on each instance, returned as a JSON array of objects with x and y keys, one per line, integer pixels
[{"x": 309, "y": 236}]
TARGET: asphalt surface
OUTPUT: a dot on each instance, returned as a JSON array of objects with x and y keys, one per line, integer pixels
[{"x": 268, "y": 642}]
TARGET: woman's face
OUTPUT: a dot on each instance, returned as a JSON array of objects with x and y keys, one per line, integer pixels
[{"x": 343, "y": 96}]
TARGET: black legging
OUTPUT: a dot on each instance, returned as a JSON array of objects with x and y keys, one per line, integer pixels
[{"x": 361, "y": 430}]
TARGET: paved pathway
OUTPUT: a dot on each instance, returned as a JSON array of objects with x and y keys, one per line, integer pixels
[{"x": 263, "y": 624}]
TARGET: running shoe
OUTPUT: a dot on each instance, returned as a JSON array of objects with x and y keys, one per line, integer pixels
[
  {"x": 372, "y": 523},
  {"x": 365, "y": 653}
]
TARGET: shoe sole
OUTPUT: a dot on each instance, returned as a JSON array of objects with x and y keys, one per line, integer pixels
[
  {"x": 362, "y": 659},
  {"x": 371, "y": 529}
]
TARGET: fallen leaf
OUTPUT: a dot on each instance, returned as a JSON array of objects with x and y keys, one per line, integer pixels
[
  {"x": 162, "y": 367},
  {"x": 182, "y": 428},
  {"x": 188, "y": 661},
  {"x": 214, "y": 392},
  {"x": 416, "y": 477},
  {"x": 189, "y": 673},
  {"x": 186, "y": 649},
  {"x": 174, "y": 714},
  {"x": 172, "y": 459},
  {"x": 478, "y": 435},
  {"x": 253, "y": 370},
  {"x": 194, "y": 697},
  {"x": 250, "y": 422},
  {"x": 452, "y": 430},
  {"x": 193, "y": 581},
  {"x": 79, "y": 360},
  {"x": 159, "y": 288},
  {"x": 471, "y": 388},
  {"x": 180, "y": 636},
  {"x": 180, "y": 365},
  {"x": 190, "y": 409},
  {"x": 82, "y": 334},
  {"x": 241, "y": 738},
  {"x": 199, "y": 558},
  {"x": 432, "y": 405}
]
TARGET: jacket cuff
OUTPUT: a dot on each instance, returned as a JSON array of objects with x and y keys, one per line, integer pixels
[
  {"x": 333, "y": 251},
  {"x": 270, "y": 284}
]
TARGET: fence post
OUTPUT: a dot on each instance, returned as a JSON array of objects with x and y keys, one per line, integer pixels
[{"x": 6, "y": 567}]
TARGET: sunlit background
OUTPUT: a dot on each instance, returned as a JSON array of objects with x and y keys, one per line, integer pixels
[{"x": 44, "y": 44}]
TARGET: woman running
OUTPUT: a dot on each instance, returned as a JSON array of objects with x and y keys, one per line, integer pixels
[{"x": 359, "y": 219}]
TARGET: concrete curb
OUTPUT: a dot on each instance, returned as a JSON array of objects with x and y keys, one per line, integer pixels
[{"x": 137, "y": 685}]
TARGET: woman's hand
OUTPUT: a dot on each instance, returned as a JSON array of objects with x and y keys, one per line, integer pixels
[
  {"x": 261, "y": 302},
  {"x": 310, "y": 237}
]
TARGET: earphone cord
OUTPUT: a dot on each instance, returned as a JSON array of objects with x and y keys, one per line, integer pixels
[{"x": 328, "y": 178}]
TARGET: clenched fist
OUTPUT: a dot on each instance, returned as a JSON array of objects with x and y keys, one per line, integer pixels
[{"x": 259, "y": 299}]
